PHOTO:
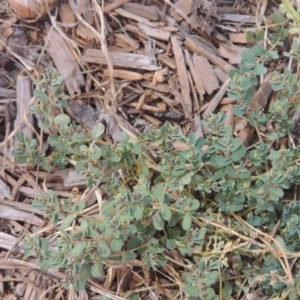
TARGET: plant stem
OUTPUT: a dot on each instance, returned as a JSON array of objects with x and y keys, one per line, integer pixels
[{"x": 291, "y": 9}]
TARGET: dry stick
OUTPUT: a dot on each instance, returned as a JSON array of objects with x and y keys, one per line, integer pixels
[
  {"x": 214, "y": 102},
  {"x": 100, "y": 36},
  {"x": 269, "y": 237},
  {"x": 108, "y": 8},
  {"x": 107, "y": 54},
  {"x": 178, "y": 10}
]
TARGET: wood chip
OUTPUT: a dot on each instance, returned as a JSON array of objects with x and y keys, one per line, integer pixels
[
  {"x": 237, "y": 18},
  {"x": 86, "y": 34},
  {"x": 117, "y": 3},
  {"x": 206, "y": 73},
  {"x": 148, "y": 12},
  {"x": 216, "y": 100},
  {"x": 155, "y": 33},
  {"x": 24, "y": 95},
  {"x": 5, "y": 191},
  {"x": 181, "y": 7},
  {"x": 195, "y": 46},
  {"x": 160, "y": 87},
  {"x": 238, "y": 38},
  {"x": 10, "y": 213},
  {"x": 121, "y": 59},
  {"x": 182, "y": 74},
  {"x": 127, "y": 75},
  {"x": 64, "y": 60},
  {"x": 196, "y": 77}
]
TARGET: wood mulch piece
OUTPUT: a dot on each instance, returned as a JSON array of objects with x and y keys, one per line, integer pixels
[{"x": 135, "y": 63}]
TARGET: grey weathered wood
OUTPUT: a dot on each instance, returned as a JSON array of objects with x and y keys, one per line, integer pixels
[
  {"x": 121, "y": 59},
  {"x": 64, "y": 61}
]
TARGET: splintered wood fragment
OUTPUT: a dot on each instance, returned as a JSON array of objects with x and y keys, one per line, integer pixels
[
  {"x": 149, "y": 12},
  {"x": 222, "y": 76},
  {"x": 160, "y": 87},
  {"x": 24, "y": 95},
  {"x": 155, "y": 33},
  {"x": 8, "y": 23},
  {"x": 122, "y": 12},
  {"x": 10, "y": 213},
  {"x": 22, "y": 206},
  {"x": 141, "y": 101},
  {"x": 180, "y": 8},
  {"x": 198, "y": 126},
  {"x": 5, "y": 191},
  {"x": 126, "y": 75},
  {"x": 229, "y": 121},
  {"x": 110, "y": 7},
  {"x": 7, "y": 93},
  {"x": 71, "y": 178},
  {"x": 64, "y": 60},
  {"x": 246, "y": 134},
  {"x": 261, "y": 96},
  {"x": 121, "y": 59},
  {"x": 216, "y": 100},
  {"x": 182, "y": 74},
  {"x": 8, "y": 241},
  {"x": 206, "y": 73},
  {"x": 143, "y": 37},
  {"x": 83, "y": 113},
  {"x": 86, "y": 34},
  {"x": 66, "y": 14},
  {"x": 196, "y": 77},
  {"x": 239, "y": 124},
  {"x": 128, "y": 40},
  {"x": 157, "y": 123},
  {"x": 147, "y": 107},
  {"x": 259, "y": 102},
  {"x": 194, "y": 46},
  {"x": 167, "y": 61},
  {"x": 231, "y": 52},
  {"x": 239, "y": 38},
  {"x": 237, "y": 18}
]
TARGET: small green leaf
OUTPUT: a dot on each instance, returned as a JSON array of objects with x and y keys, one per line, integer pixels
[
  {"x": 103, "y": 249},
  {"x": 97, "y": 269},
  {"x": 191, "y": 290},
  {"x": 165, "y": 212},
  {"x": 41, "y": 95},
  {"x": 126, "y": 256},
  {"x": 239, "y": 111},
  {"x": 85, "y": 271},
  {"x": 249, "y": 36},
  {"x": 260, "y": 69},
  {"x": 260, "y": 35},
  {"x": 116, "y": 245},
  {"x": 185, "y": 179},
  {"x": 239, "y": 153},
  {"x": 258, "y": 50},
  {"x": 78, "y": 249},
  {"x": 158, "y": 221},
  {"x": 78, "y": 207},
  {"x": 187, "y": 221},
  {"x": 66, "y": 222},
  {"x": 45, "y": 122},
  {"x": 278, "y": 18},
  {"x": 62, "y": 119},
  {"x": 98, "y": 130}
]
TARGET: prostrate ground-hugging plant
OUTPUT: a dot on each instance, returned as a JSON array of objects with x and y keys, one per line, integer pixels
[{"x": 215, "y": 204}]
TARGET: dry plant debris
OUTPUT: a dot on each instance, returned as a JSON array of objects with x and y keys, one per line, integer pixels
[{"x": 131, "y": 65}]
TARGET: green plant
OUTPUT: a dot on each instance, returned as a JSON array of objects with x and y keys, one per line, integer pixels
[{"x": 215, "y": 203}]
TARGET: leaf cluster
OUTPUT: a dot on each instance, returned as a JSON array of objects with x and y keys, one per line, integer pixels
[{"x": 162, "y": 203}]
